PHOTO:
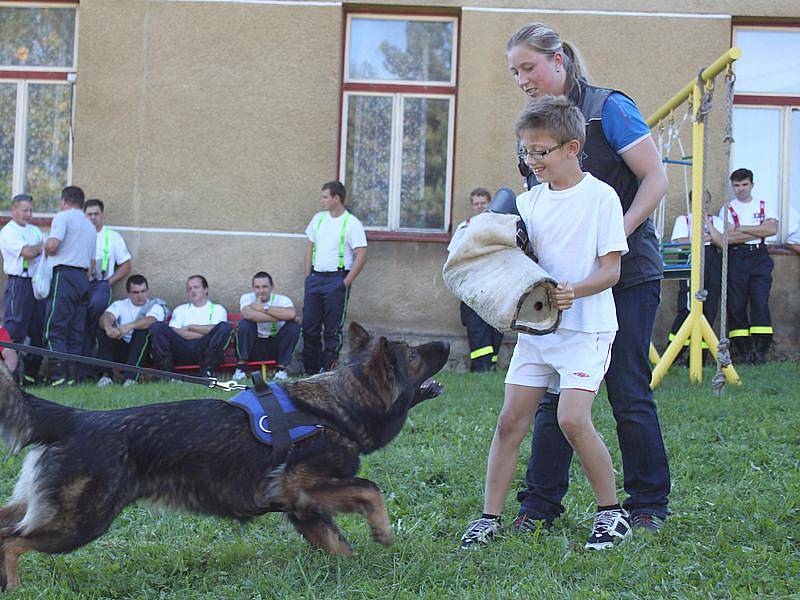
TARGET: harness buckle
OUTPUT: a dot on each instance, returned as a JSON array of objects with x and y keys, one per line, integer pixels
[{"x": 228, "y": 386}]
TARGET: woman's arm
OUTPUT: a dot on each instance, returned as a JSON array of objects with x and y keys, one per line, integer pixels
[{"x": 644, "y": 161}]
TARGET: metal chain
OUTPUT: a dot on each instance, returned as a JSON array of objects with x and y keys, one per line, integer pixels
[{"x": 723, "y": 349}]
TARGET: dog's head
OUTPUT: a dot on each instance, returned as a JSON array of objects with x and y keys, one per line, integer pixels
[{"x": 383, "y": 379}]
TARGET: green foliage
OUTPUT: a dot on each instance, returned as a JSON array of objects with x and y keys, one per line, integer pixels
[{"x": 733, "y": 532}]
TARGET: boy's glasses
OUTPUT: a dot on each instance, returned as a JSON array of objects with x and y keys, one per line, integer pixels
[{"x": 523, "y": 153}]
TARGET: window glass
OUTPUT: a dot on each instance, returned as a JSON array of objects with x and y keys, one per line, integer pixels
[
  {"x": 37, "y": 37},
  {"x": 424, "y": 173},
  {"x": 794, "y": 167},
  {"x": 400, "y": 50},
  {"x": 369, "y": 144},
  {"x": 47, "y": 143},
  {"x": 770, "y": 62},
  {"x": 757, "y": 133},
  {"x": 8, "y": 114}
]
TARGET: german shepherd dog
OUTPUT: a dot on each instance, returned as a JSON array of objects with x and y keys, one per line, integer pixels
[{"x": 200, "y": 455}]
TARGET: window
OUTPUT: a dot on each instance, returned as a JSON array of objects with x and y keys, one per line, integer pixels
[
  {"x": 398, "y": 111},
  {"x": 766, "y": 116},
  {"x": 37, "y": 58}
]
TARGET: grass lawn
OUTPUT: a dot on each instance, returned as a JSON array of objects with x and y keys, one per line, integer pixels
[{"x": 734, "y": 529}]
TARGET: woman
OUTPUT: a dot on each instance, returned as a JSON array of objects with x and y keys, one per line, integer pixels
[{"x": 620, "y": 151}]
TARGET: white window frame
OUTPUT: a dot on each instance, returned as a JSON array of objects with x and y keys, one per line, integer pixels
[
  {"x": 396, "y": 153},
  {"x": 785, "y": 142},
  {"x": 22, "y": 83},
  {"x": 405, "y": 17},
  {"x": 68, "y": 69}
]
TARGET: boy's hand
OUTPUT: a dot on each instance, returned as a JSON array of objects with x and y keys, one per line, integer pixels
[{"x": 562, "y": 296}]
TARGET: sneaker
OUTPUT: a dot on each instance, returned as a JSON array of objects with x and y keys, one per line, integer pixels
[
  {"x": 208, "y": 373},
  {"x": 281, "y": 375},
  {"x": 239, "y": 375},
  {"x": 104, "y": 381},
  {"x": 129, "y": 383},
  {"x": 479, "y": 533},
  {"x": 29, "y": 380},
  {"x": 647, "y": 522},
  {"x": 610, "y": 527},
  {"x": 525, "y": 523}
]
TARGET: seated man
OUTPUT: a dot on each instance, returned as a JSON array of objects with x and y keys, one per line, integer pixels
[
  {"x": 199, "y": 331},
  {"x": 124, "y": 334},
  {"x": 267, "y": 330}
]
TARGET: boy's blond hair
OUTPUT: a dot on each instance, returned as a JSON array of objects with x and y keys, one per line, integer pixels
[{"x": 554, "y": 114}]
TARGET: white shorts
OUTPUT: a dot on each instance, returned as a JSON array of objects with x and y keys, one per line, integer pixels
[{"x": 564, "y": 359}]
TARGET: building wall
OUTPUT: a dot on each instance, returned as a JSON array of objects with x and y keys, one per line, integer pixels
[{"x": 225, "y": 117}]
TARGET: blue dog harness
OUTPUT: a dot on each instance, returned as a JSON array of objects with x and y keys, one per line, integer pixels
[{"x": 274, "y": 419}]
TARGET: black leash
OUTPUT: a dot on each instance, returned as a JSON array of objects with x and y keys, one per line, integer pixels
[{"x": 210, "y": 382}]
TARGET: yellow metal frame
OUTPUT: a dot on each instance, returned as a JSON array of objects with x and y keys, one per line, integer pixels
[{"x": 696, "y": 327}]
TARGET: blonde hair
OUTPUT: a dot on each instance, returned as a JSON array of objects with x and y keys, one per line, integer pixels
[
  {"x": 554, "y": 114},
  {"x": 544, "y": 40}
]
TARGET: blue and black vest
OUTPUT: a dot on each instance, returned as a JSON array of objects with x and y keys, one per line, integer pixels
[{"x": 642, "y": 262}]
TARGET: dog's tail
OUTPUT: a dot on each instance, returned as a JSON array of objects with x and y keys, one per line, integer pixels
[{"x": 26, "y": 419}]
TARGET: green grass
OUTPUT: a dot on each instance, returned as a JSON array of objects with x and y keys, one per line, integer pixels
[{"x": 734, "y": 531}]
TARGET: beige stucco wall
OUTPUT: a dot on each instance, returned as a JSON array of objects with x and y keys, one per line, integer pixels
[{"x": 224, "y": 116}]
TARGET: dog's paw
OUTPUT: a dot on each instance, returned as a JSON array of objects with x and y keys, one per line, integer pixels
[{"x": 383, "y": 536}]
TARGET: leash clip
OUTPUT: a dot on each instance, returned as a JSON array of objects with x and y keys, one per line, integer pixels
[{"x": 228, "y": 386}]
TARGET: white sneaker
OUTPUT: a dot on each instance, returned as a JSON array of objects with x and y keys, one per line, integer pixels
[
  {"x": 238, "y": 375},
  {"x": 479, "y": 533},
  {"x": 610, "y": 528},
  {"x": 129, "y": 383},
  {"x": 281, "y": 375},
  {"x": 104, "y": 381}
]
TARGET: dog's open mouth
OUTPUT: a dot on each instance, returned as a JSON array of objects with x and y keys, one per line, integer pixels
[{"x": 430, "y": 388}]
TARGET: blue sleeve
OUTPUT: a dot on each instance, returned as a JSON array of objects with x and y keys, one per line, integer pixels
[{"x": 623, "y": 124}]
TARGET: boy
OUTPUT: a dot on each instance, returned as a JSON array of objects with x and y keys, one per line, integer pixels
[{"x": 576, "y": 227}]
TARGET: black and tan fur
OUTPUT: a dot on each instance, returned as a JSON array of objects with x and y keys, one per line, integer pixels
[{"x": 200, "y": 456}]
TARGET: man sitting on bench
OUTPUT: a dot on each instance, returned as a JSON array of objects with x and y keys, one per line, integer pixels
[
  {"x": 198, "y": 333},
  {"x": 267, "y": 329}
]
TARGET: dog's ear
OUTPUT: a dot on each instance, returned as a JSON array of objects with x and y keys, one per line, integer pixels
[{"x": 359, "y": 338}]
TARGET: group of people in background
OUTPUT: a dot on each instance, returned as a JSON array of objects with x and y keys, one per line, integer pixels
[{"x": 87, "y": 258}]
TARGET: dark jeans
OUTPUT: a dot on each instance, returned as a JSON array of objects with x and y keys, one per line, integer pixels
[
  {"x": 644, "y": 458},
  {"x": 23, "y": 316},
  {"x": 280, "y": 347},
  {"x": 324, "y": 306},
  {"x": 169, "y": 348}
]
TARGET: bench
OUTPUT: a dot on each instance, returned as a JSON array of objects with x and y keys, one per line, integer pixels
[{"x": 230, "y": 360}]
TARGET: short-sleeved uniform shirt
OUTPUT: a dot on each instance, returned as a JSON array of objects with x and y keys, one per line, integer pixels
[
  {"x": 125, "y": 312},
  {"x": 77, "y": 236},
  {"x": 683, "y": 226},
  {"x": 623, "y": 124},
  {"x": 267, "y": 329},
  {"x": 189, "y": 314},
  {"x": 13, "y": 238},
  {"x": 109, "y": 250},
  {"x": 325, "y": 232},
  {"x": 749, "y": 213},
  {"x": 570, "y": 229}
]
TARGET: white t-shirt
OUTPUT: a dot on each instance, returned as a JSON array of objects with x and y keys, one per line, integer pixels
[
  {"x": 749, "y": 213},
  {"x": 569, "y": 230},
  {"x": 110, "y": 244},
  {"x": 683, "y": 227},
  {"x": 189, "y": 314},
  {"x": 12, "y": 238},
  {"x": 326, "y": 234},
  {"x": 125, "y": 312},
  {"x": 267, "y": 329}
]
